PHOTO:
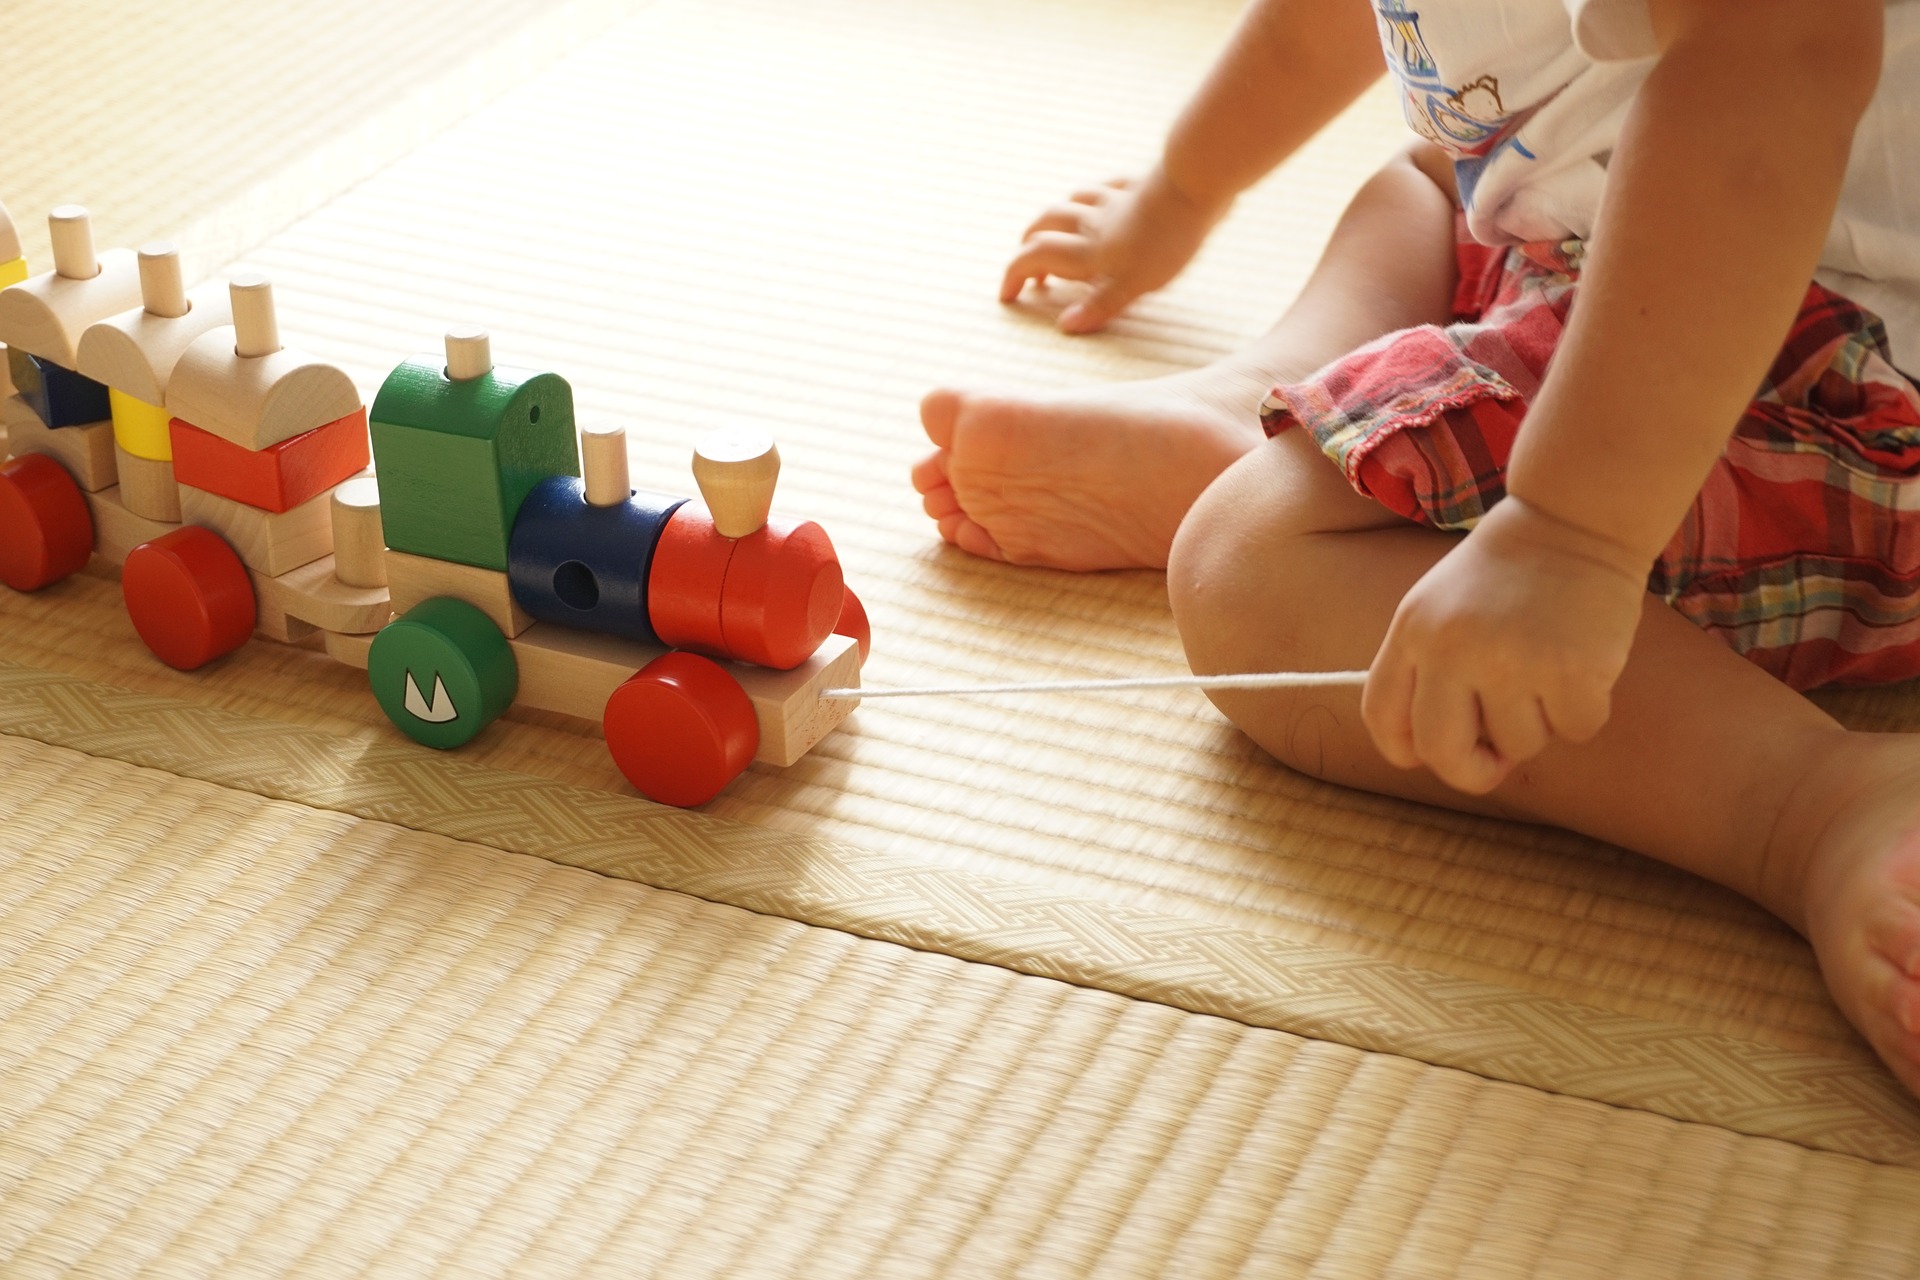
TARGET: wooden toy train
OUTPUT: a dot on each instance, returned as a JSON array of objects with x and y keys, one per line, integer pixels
[{"x": 173, "y": 433}]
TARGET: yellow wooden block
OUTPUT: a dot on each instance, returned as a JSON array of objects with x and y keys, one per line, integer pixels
[
  {"x": 13, "y": 272},
  {"x": 140, "y": 428},
  {"x": 86, "y": 452}
]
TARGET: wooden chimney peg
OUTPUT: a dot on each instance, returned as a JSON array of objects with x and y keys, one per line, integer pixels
[
  {"x": 469, "y": 354},
  {"x": 359, "y": 549},
  {"x": 71, "y": 228},
  {"x": 45, "y": 315},
  {"x": 256, "y": 326},
  {"x": 163, "y": 290},
  {"x": 134, "y": 353},
  {"x": 603, "y": 464},
  {"x": 247, "y": 388},
  {"x": 736, "y": 469}
]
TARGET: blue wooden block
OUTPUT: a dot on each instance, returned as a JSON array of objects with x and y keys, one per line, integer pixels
[
  {"x": 578, "y": 565},
  {"x": 61, "y": 397}
]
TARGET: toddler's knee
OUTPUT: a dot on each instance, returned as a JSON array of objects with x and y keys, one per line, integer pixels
[{"x": 1229, "y": 585}]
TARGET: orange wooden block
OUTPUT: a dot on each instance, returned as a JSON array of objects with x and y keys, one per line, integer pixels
[{"x": 279, "y": 477}]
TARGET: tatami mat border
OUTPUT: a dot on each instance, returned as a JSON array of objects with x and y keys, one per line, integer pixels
[
  {"x": 1326, "y": 994},
  {"x": 247, "y": 1037}
]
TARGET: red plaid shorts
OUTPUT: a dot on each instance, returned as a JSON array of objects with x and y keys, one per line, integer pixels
[{"x": 1802, "y": 551}]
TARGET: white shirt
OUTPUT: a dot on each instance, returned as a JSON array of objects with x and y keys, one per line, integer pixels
[{"x": 1529, "y": 97}]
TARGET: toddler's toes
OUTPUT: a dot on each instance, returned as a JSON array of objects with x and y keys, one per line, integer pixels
[
  {"x": 939, "y": 410},
  {"x": 940, "y": 503},
  {"x": 930, "y": 473},
  {"x": 963, "y": 533}
]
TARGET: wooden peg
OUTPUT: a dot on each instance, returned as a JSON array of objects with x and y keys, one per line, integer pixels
[
  {"x": 256, "y": 328},
  {"x": 469, "y": 354},
  {"x": 603, "y": 463},
  {"x": 147, "y": 486},
  {"x": 163, "y": 291},
  {"x": 736, "y": 469},
  {"x": 359, "y": 549},
  {"x": 134, "y": 352},
  {"x": 71, "y": 228}
]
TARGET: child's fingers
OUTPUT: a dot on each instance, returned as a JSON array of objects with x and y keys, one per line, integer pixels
[
  {"x": 1516, "y": 726},
  {"x": 1448, "y": 733},
  {"x": 1108, "y": 299},
  {"x": 1578, "y": 712},
  {"x": 1071, "y": 218},
  {"x": 1050, "y": 253},
  {"x": 1386, "y": 708}
]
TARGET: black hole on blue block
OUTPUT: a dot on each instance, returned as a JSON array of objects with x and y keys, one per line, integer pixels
[{"x": 576, "y": 586}]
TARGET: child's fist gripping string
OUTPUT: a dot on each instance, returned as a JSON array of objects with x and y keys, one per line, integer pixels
[{"x": 1513, "y": 640}]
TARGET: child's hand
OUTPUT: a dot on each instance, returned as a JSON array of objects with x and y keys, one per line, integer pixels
[
  {"x": 1513, "y": 640},
  {"x": 1125, "y": 238}
]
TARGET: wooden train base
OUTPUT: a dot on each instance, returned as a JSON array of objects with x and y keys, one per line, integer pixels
[{"x": 501, "y": 558}]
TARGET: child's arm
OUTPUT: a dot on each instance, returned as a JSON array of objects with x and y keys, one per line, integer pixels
[
  {"x": 1718, "y": 200},
  {"x": 1289, "y": 67}
]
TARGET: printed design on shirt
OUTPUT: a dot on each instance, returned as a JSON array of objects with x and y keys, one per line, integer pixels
[{"x": 1469, "y": 122}]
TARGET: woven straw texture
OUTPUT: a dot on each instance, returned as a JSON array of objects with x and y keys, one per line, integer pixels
[
  {"x": 797, "y": 213},
  {"x": 246, "y": 1037}
]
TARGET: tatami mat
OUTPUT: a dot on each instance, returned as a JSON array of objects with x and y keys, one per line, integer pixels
[
  {"x": 797, "y": 213},
  {"x": 215, "y": 122},
  {"x": 251, "y": 1038}
]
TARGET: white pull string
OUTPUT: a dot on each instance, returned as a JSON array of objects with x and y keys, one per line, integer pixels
[{"x": 1242, "y": 680}]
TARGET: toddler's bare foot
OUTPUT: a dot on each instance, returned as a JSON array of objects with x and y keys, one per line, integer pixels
[
  {"x": 1092, "y": 479},
  {"x": 1859, "y": 903}
]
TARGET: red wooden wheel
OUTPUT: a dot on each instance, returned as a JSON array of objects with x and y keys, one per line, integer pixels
[
  {"x": 189, "y": 596},
  {"x": 681, "y": 729},
  {"x": 46, "y": 531}
]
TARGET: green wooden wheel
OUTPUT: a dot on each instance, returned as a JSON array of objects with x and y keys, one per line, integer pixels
[{"x": 442, "y": 672}]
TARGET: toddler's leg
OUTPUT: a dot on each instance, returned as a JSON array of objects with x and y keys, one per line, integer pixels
[
  {"x": 1100, "y": 478},
  {"x": 1707, "y": 763}
]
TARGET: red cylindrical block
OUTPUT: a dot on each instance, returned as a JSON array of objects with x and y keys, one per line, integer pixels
[
  {"x": 683, "y": 587},
  {"x": 783, "y": 596}
]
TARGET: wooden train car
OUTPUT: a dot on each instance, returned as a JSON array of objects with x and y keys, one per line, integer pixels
[{"x": 500, "y": 558}]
